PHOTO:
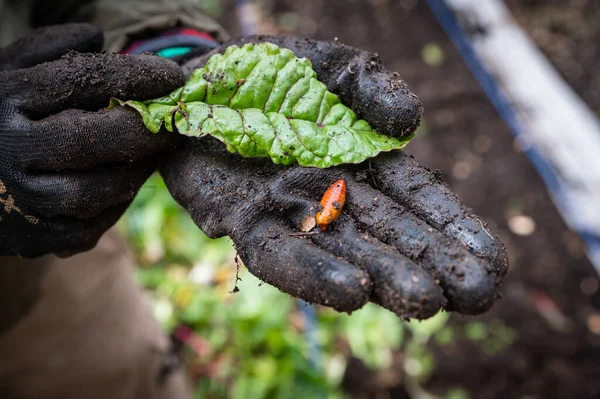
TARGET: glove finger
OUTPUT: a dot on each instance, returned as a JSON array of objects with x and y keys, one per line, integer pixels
[
  {"x": 83, "y": 235},
  {"x": 83, "y": 194},
  {"x": 375, "y": 94},
  {"x": 50, "y": 43},
  {"x": 78, "y": 139},
  {"x": 469, "y": 283},
  {"x": 399, "y": 284},
  {"x": 401, "y": 178},
  {"x": 73, "y": 236},
  {"x": 300, "y": 268},
  {"x": 66, "y": 235},
  {"x": 89, "y": 81}
]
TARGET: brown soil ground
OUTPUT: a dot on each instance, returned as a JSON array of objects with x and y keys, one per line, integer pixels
[{"x": 551, "y": 295}]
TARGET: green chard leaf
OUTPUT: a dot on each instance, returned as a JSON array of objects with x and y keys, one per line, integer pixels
[{"x": 262, "y": 101}]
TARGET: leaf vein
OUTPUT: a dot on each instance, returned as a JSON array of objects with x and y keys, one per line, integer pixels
[
  {"x": 247, "y": 134},
  {"x": 273, "y": 85},
  {"x": 300, "y": 140}
]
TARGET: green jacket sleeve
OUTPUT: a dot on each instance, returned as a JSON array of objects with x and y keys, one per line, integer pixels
[{"x": 120, "y": 19}]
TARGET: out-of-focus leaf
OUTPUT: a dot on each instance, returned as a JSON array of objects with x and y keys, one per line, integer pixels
[
  {"x": 423, "y": 329},
  {"x": 475, "y": 331},
  {"x": 373, "y": 333}
]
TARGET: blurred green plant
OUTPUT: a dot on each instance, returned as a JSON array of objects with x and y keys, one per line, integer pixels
[
  {"x": 457, "y": 393},
  {"x": 432, "y": 54},
  {"x": 493, "y": 337}
]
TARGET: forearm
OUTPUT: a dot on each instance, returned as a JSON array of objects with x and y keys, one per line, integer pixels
[
  {"x": 87, "y": 330},
  {"x": 20, "y": 281}
]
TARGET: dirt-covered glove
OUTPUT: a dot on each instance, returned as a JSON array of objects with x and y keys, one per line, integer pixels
[
  {"x": 403, "y": 241},
  {"x": 68, "y": 167}
]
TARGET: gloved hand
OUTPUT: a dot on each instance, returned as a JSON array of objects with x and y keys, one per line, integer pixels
[
  {"x": 68, "y": 167},
  {"x": 404, "y": 240}
]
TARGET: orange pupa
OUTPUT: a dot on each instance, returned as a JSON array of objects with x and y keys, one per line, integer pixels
[{"x": 332, "y": 203}]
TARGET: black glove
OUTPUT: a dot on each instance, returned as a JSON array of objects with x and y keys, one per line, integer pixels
[
  {"x": 404, "y": 240},
  {"x": 68, "y": 167}
]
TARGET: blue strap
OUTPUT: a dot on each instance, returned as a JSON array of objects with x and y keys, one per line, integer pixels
[{"x": 184, "y": 43}]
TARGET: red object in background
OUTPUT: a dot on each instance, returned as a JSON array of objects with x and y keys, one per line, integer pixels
[
  {"x": 189, "y": 337},
  {"x": 171, "y": 32}
]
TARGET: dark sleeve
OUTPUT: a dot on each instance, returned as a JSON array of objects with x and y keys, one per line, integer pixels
[{"x": 55, "y": 12}]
